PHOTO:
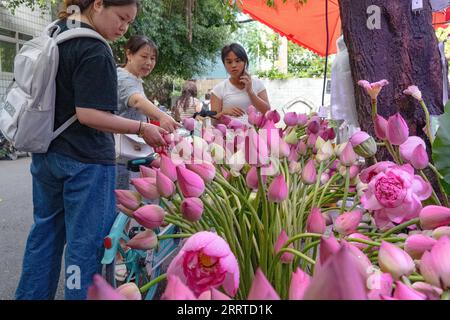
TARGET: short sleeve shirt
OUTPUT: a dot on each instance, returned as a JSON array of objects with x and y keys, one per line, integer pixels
[
  {"x": 86, "y": 78},
  {"x": 234, "y": 97},
  {"x": 128, "y": 85}
]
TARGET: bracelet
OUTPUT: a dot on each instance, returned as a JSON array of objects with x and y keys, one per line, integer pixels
[{"x": 140, "y": 132}]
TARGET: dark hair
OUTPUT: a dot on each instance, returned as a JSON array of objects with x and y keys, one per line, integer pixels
[
  {"x": 85, "y": 4},
  {"x": 238, "y": 50},
  {"x": 189, "y": 91},
  {"x": 207, "y": 96},
  {"x": 136, "y": 42}
]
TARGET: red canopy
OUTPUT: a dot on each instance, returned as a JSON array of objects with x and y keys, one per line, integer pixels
[{"x": 305, "y": 24}]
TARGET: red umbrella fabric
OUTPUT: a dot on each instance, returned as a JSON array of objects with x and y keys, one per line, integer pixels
[{"x": 305, "y": 24}]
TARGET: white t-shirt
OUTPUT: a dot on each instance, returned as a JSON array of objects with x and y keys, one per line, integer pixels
[{"x": 234, "y": 97}]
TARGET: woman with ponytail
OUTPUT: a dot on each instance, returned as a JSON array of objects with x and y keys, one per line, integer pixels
[{"x": 73, "y": 182}]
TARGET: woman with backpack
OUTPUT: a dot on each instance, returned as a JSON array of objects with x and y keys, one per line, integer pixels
[{"x": 73, "y": 182}]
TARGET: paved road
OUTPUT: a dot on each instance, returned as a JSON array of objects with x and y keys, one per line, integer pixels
[{"x": 15, "y": 222}]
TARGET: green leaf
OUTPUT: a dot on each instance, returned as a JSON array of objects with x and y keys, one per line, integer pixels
[{"x": 441, "y": 148}]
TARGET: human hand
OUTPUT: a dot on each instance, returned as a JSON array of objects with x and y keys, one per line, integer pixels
[
  {"x": 168, "y": 123},
  {"x": 153, "y": 135},
  {"x": 233, "y": 111},
  {"x": 246, "y": 79}
]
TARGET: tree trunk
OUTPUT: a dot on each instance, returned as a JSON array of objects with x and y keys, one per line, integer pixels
[{"x": 403, "y": 50}]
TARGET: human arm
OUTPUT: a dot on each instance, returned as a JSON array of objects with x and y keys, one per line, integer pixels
[
  {"x": 216, "y": 105},
  {"x": 259, "y": 100}
]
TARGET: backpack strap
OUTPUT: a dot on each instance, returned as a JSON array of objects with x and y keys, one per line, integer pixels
[
  {"x": 80, "y": 33},
  {"x": 64, "y": 126}
]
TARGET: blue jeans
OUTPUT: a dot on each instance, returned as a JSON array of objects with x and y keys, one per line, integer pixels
[{"x": 74, "y": 204}]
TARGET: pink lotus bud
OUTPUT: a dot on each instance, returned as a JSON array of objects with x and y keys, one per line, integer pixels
[
  {"x": 147, "y": 172},
  {"x": 440, "y": 232},
  {"x": 414, "y": 92},
  {"x": 435, "y": 264},
  {"x": 299, "y": 283},
  {"x": 286, "y": 257},
  {"x": 252, "y": 178},
  {"x": 431, "y": 292},
  {"x": 404, "y": 292},
  {"x": 302, "y": 119},
  {"x": 226, "y": 175},
  {"x": 302, "y": 148},
  {"x": 191, "y": 184},
  {"x": 150, "y": 216},
  {"x": 146, "y": 187},
  {"x": 363, "y": 144},
  {"x": 413, "y": 150},
  {"x": 205, "y": 170},
  {"x": 189, "y": 124},
  {"x": 213, "y": 294},
  {"x": 397, "y": 129},
  {"x": 165, "y": 186},
  {"x": 309, "y": 175},
  {"x": 312, "y": 139},
  {"x": 278, "y": 189},
  {"x": 374, "y": 88},
  {"x": 324, "y": 151},
  {"x": 273, "y": 116},
  {"x": 290, "y": 119},
  {"x": 417, "y": 244},
  {"x": 125, "y": 210},
  {"x": 256, "y": 152},
  {"x": 432, "y": 217},
  {"x": 129, "y": 199},
  {"x": 420, "y": 158},
  {"x": 256, "y": 119},
  {"x": 347, "y": 222},
  {"x": 192, "y": 209},
  {"x": 222, "y": 128},
  {"x": 380, "y": 284},
  {"x": 261, "y": 288},
  {"x": 291, "y": 138},
  {"x": 177, "y": 290},
  {"x": 168, "y": 168},
  {"x": 381, "y": 125},
  {"x": 394, "y": 260},
  {"x": 235, "y": 124},
  {"x": 360, "y": 246},
  {"x": 327, "y": 134},
  {"x": 324, "y": 178},
  {"x": 144, "y": 240},
  {"x": 348, "y": 156},
  {"x": 328, "y": 247},
  {"x": 130, "y": 291},
  {"x": 314, "y": 125},
  {"x": 102, "y": 290},
  {"x": 316, "y": 222}
]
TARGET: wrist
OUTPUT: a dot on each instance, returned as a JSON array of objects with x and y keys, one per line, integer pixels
[{"x": 141, "y": 129}]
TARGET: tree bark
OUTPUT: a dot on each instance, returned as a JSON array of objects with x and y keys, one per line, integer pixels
[{"x": 404, "y": 50}]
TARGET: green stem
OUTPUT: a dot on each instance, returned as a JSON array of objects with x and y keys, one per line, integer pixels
[
  {"x": 433, "y": 193},
  {"x": 316, "y": 187},
  {"x": 295, "y": 252},
  {"x": 147, "y": 286},
  {"x": 371, "y": 243},
  {"x": 174, "y": 236},
  {"x": 400, "y": 227},
  {"x": 374, "y": 108},
  {"x": 441, "y": 188},
  {"x": 427, "y": 121},
  {"x": 347, "y": 184}
]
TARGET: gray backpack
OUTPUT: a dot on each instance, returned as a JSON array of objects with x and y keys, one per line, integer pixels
[{"x": 27, "y": 111}]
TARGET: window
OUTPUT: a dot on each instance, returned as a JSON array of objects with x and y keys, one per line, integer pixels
[
  {"x": 7, "y": 33},
  {"x": 25, "y": 37},
  {"x": 7, "y": 54}
]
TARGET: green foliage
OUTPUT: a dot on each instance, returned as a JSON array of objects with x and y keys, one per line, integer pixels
[
  {"x": 441, "y": 147},
  {"x": 273, "y": 74},
  {"x": 303, "y": 63}
]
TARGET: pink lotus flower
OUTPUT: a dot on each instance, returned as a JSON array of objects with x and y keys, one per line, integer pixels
[
  {"x": 299, "y": 284},
  {"x": 435, "y": 264},
  {"x": 380, "y": 285},
  {"x": 404, "y": 292},
  {"x": 278, "y": 189},
  {"x": 168, "y": 168},
  {"x": 146, "y": 187},
  {"x": 102, "y": 290},
  {"x": 150, "y": 216},
  {"x": 328, "y": 247},
  {"x": 413, "y": 150},
  {"x": 302, "y": 119},
  {"x": 432, "y": 217},
  {"x": 431, "y": 292},
  {"x": 368, "y": 174},
  {"x": 341, "y": 278},
  {"x": 309, "y": 175},
  {"x": 130, "y": 291},
  {"x": 394, "y": 260},
  {"x": 417, "y": 244},
  {"x": 144, "y": 240},
  {"x": 189, "y": 124},
  {"x": 414, "y": 92},
  {"x": 177, "y": 290},
  {"x": 381, "y": 125},
  {"x": 261, "y": 288},
  {"x": 273, "y": 116},
  {"x": 441, "y": 232},
  {"x": 165, "y": 186},
  {"x": 315, "y": 222},
  {"x": 347, "y": 222},
  {"x": 397, "y": 129},
  {"x": 147, "y": 172},
  {"x": 205, "y": 170},
  {"x": 192, "y": 209},
  {"x": 129, "y": 199},
  {"x": 191, "y": 184},
  {"x": 374, "y": 88},
  {"x": 348, "y": 156},
  {"x": 205, "y": 262},
  {"x": 252, "y": 178},
  {"x": 290, "y": 119},
  {"x": 395, "y": 193},
  {"x": 286, "y": 257}
]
